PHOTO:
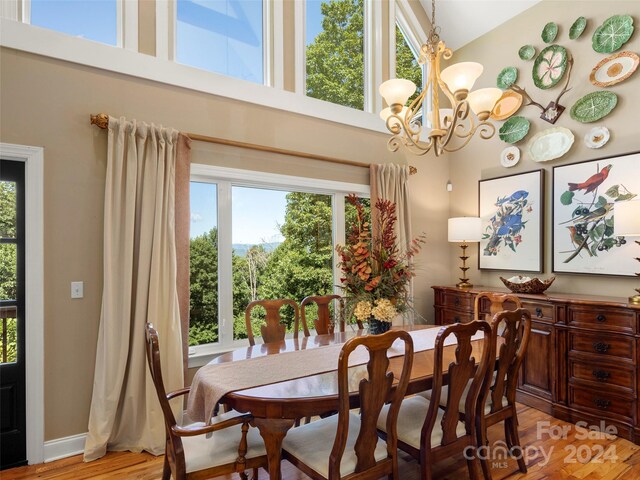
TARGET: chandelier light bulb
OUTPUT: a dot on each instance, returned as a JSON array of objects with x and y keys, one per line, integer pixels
[
  {"x": 483, "y": 100},
  {"x": 460, "y": 77},
  {"x": 396, "y": 92}
]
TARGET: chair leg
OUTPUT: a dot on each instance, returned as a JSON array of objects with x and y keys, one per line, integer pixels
[
  {"x": 482, "y": 440},
  {"x": 243, "y": 476},
  {"x": 472, "y": 465},
  {"x": 425, "y": 466},
  {"x": 512, "y": 425},
  {"x": 255, "y": 474},
  {"x": 166, "y": 469}
]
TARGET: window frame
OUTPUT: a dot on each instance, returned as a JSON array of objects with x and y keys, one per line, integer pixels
[{"x": 226, "y": 178}]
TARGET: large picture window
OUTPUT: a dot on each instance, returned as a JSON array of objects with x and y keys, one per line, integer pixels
[
  {"x": 407, "y": 65},
  {"x": 257, "y": 239}
]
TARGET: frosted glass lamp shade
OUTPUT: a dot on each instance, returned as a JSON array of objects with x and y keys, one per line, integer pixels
[
  {"x": 483, "y": 100},
  {"x": 397, "y": 91},
  {"x": 461, "y": 76},
  {"x": 465, "y": 229},
  {"x": 626, "y": 219},
  {"x": 386, "y": 113}
]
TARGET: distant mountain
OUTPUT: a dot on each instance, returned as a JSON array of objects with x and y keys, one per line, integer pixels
[{"x": 241, "y": 249}]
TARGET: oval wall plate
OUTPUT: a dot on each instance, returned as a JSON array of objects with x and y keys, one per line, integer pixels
[
  {"x": 549, "y": 66},
  {"x": 597, "y": 137},
  {"x": 614, "y": 69},
  {"x": 508, "y": 104},
  {"x": 594, "y": 106},
  {"x": 614, "y": 32},
  {"x": 507, "y": 77},
  {"x": 577, "y": 28},
  {"x": 550, "y": 144},
  {"x": 510, "y": 156},
  {"x": 549, "y": 32},
  {"x": 514, "y": 129},
  {"x": 527, "y": 52}
]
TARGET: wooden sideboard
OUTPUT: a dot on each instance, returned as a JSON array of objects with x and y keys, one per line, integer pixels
[{"x": 581, "y": 363}]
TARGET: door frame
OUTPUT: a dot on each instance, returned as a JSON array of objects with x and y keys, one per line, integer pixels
[{"x": 33, "y": 157}]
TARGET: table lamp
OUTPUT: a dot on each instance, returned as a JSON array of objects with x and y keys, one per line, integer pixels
[
  {"x": 626, "y": 223},
  {"x": 463, "y": 230}
]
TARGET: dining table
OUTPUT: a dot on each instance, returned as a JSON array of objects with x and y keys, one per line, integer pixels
[{"x": 275, "y": 407}]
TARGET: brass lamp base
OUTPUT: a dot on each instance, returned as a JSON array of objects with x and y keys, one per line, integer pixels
[
  {"x": 635, "y": 300},
  {"x": 464, "y": 281}
]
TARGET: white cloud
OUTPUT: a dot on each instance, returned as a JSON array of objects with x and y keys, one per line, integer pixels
[{"x": 196, "y": 217}]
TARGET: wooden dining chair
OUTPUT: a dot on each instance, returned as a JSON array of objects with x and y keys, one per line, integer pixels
[
  {"x": 430, "y": 434},
  {"x": 273, "y": 330},
  {"x": 231, "y": 447},
  {"x": 346, "y": 445},
  {"x": 497, "y": 303}
]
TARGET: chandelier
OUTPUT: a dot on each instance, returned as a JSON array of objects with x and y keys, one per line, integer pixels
[{"x": 451, "y": 128}]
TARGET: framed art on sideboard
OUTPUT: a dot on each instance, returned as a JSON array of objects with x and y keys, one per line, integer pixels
[
  {"x": 585, "y": 196},
  {"x": 511, "y": 209}
]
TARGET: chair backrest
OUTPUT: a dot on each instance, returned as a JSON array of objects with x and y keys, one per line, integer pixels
[
  {"x": 273, "y": 330},
  {"x": 497, "y": 303},
  {"x": 153, "y": 359},
  {"x": 460, "y": 370},
  {"x": 375, "y": 391},
  {"x": 323, "y": 323},
  {"x": 515, "y": 328}
]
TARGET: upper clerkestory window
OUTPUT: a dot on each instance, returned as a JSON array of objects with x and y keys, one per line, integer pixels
[
  {"x": 407, "y": 65},
  {"x": 95, "y": 20},
  {"x": 335, "y": 51},
  {"x": 222, "y": 36}
]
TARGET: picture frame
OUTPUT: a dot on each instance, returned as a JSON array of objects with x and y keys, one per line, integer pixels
[
  {"x": 584, "y": 196},
  {"x": 511, "y": 209}
]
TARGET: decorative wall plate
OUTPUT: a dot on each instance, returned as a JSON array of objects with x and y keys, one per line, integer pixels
[
  {"x": 614, "y": 69},
  {"x": 597, "y": 137},
  {"x": 614, "y": 32},
  {"x": 527, "y": 52},
  {"x": 507, "y": 77},
  {"x": 508, "y": 104},
  {"x": 549, "y": 66},
  {"x": 549, "y": 32},
  {"x": 510, "y": 156},
  {"x": 594, "y": 106},
  {"x": 550, "y": 144},
  {"x": 514, "y": 129},
  {"x": 577, "y": 28}
]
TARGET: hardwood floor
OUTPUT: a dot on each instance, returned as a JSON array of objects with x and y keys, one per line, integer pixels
[{"x": 572, "y": 457}]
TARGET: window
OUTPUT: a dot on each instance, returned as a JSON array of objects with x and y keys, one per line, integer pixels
[
  {"x": 92, "y": 19},
  {"x": 222, "y": 36},
  {"x": 257, "y": 239},
  {"x": 8, "y": 271},
  {"x": 335, "y": 51},
  {"x": 407, "y": 65}
]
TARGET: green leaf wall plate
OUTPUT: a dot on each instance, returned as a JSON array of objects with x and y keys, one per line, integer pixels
[
  {"x": 577, "y": 28},
  {"x": 527, "y": 52},
  {"x": 549, "y": 66},
  {"x": 594, "y": 106},
  {"x": 514, "y": 129},
  {"x": 507, "y": 77},
  {"x": 612, "y": 34},
  {"x": 549, "y": 32}
]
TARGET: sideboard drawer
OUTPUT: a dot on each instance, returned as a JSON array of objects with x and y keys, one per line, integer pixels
[
  {"x": 603, "y": 374},
  {"x": 453, "y": 316},
  {"x": 601, "y": 401},
  {"x": 540, "y": 311},
  {"x": 601, "y": 319},
  {"x": 602, "y": 345},
  {"x": 459, "y": 301}
]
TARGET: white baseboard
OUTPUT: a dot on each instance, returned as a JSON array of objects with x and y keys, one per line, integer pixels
[{"x": 64, "y": 447}]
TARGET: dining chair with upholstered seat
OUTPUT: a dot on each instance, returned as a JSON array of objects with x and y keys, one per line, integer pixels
[
  {"x": 323, "y": 323},
  {"x": 346, "y": 445},
  {"x": 430, "y": 434},
  {"x": 497, "y": 303},
  {"x": 227, "y": 445},
  {"x": 273, "y": 330}
]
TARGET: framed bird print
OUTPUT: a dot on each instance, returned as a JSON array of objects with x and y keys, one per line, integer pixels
[
  {"x": 585, "y": 196},
  {"x": 511, "y": 209}
]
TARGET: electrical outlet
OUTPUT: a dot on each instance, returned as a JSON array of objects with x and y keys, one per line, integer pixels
[{"x": 77, "y": 289}]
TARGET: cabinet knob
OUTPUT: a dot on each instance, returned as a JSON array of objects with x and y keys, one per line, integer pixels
[
  {"x": 456, "y": 301},
  {"x": 601, "y": 347},
  {"x": 601, "y": 375},
  {"x": 601, "y": 403},
  {"x": 601, "y": 318},
  {"x": 539, "y": 312}
]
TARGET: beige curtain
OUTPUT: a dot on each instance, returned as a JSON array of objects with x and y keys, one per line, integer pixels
[
  {"x": 139, "y": 286},
  {"x": 391, "y": 182}
]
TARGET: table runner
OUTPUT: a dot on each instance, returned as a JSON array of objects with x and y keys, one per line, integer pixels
[{"x": 214, "y": 380}]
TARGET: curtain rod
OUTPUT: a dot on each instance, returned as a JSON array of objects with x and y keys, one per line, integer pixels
[{"x": 101, "y": 120}]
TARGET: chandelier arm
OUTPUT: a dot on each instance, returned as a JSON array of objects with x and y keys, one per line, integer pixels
[
  {"x": 459, "y": 114},
  {"x": 486, "y": 130}
]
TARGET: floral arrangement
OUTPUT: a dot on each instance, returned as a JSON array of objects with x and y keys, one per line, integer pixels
[{"x": 376, "y": 271}]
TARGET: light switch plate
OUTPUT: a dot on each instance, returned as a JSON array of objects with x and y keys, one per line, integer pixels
[{"x": 77, "y": 289}]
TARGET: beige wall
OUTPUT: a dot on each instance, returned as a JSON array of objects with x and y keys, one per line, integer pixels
[
  {"x": 46, "y": 102},
  {"x": 499, "y": 49}
]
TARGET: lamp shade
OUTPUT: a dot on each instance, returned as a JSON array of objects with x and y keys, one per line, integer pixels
[
  {"x": 465, "y": 229},
  {"x": 484, "y": 99},
  {"x": 397, "y": 91},
  {"x": 461, "y": 76},
  {"x": 626, "y": 220}
]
